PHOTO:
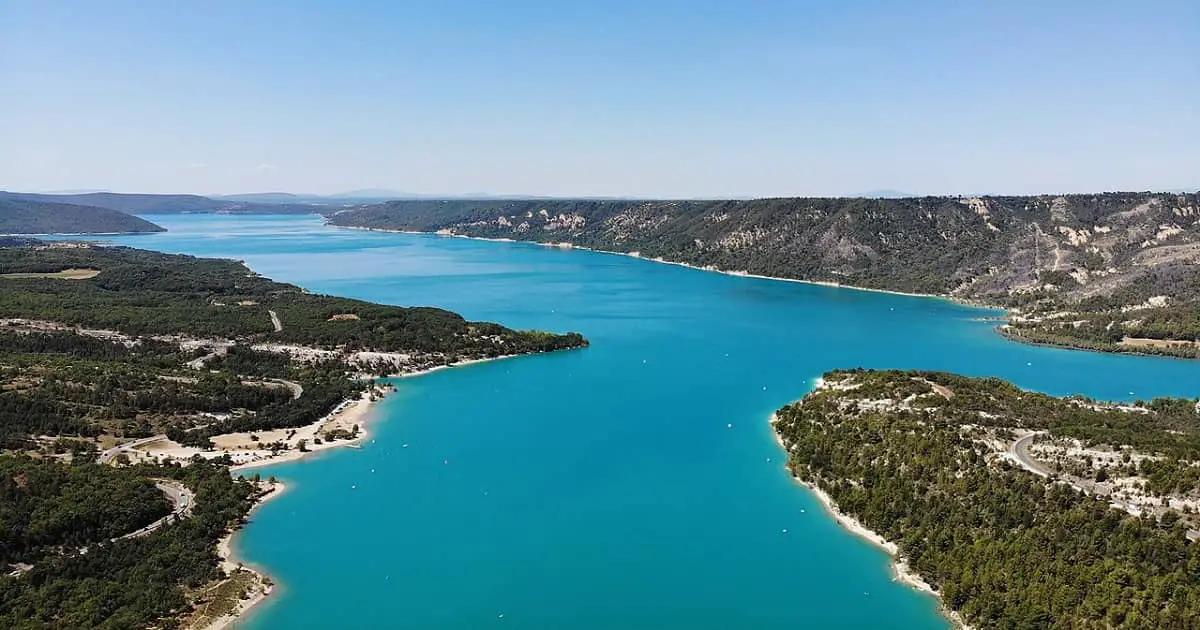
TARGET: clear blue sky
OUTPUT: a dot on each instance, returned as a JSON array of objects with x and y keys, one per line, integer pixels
[{"x": 667, "y": 98}]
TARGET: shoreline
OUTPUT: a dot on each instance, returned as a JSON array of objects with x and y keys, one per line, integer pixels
[
  {"x": 901, "y": 571},
  {"x": 263, "y": 585},
  {"x": 225, "y": 547},
  {"x": 743, "y": 274}
]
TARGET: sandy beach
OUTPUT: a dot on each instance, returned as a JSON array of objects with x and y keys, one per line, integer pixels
[{"x": 901, "y": 572}]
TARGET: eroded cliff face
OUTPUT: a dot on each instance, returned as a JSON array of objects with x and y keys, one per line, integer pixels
[{"x": 1096, "y": 252}]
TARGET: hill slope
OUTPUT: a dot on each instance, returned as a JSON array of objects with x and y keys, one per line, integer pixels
[
  {"x": 1073, "y": 265},
  {"x": 19, "y": 216}
]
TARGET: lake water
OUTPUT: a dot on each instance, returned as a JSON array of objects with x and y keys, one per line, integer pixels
[{"x": 601, "y": 488}]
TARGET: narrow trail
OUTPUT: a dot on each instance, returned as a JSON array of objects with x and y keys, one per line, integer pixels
[{"x": 275, "y": 321}]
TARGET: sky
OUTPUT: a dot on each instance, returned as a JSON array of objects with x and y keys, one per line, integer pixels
[{"x": 651, "y": 98}]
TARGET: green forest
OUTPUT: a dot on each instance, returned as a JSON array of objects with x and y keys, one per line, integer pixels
[
  {"x": 1006, "y": 549},
  {"x": 124, "y": 584}
]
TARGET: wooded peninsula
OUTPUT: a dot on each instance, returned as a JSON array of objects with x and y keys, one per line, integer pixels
[
  {"x": 1021, "y": 510},
  {"x": 130, "y": 381}
]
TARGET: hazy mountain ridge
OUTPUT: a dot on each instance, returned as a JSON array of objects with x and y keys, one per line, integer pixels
[
  {"x": 1046, "y": 254},
  {"x": 138, "y": 203}
]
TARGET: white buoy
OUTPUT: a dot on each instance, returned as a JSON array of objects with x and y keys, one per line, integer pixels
[
  {"x": 785, "y": 530},
  {"x": 403, "y": 446},
  {"x": 353, "y": 487},
  {"x": 729, "y": 426},
  {"x": 372, "y": 470},
  {"x": 764, "y": 388},
  {"x": 446, "y": 461}
]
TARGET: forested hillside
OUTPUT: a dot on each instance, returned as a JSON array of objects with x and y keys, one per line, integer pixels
[
  {"x": 1058, "y": 259},
  {"x": 937, "y": 463},
  {"x": 18, "y": 216}
]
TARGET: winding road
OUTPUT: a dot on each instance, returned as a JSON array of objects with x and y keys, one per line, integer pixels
[
  {"x": 182, "y": 499},
  {"x": 107, "y": 456},
  {"x": 1019, "y": 451}
]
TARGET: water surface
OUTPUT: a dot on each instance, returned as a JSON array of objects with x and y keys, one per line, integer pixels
[{"x": 601, "y": 488}]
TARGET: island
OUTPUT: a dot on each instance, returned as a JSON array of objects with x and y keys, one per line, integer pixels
[
  {"x": 22, "y": 216},
  {"x": 1020, "y": 510},
  {"x": 1109, "y": 271},
  {"x": 132, "y": 382}
]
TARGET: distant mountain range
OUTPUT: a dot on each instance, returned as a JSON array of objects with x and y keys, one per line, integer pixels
[{"x": 138, "y": 203}]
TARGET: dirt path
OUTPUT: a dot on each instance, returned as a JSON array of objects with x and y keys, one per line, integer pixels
[{"x": 275, "y": 321}]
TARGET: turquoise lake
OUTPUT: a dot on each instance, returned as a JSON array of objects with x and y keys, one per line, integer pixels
[{"x": 601, "y": 488}]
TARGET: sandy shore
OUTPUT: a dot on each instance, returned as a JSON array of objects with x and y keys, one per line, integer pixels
[
  {"x": 901, "y": 572},
  {"x": 438, "y": 368},
  {"x": 250, "y": 450}
]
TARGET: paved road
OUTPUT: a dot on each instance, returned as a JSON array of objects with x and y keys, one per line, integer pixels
[
  {"x": 275, "y": 321},
  {"x": 181, "y": 497},
  {"x": 1020, "y": 452}
]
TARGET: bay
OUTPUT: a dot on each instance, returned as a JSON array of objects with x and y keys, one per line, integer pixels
[{"x": 632, "y": 484}]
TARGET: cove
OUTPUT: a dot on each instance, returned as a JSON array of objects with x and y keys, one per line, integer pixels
[{"x": 601, "y": 488}]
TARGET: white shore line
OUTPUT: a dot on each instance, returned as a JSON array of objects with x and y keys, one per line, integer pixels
[
  {"x": 901, "y": 571},
  {"x": 741, "y": 274},
  {"x": 230, "y": 563}
]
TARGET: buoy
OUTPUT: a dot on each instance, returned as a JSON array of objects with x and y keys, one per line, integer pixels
[
  {"x": 446, "y": 461},
  {"x": 785, "y": 530},
  {"x": 404, "y": 446},
  {"x": 372, "y": 470},
  {"x": 729, "y": 426},
  {"x": 353, "y": 487}
]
